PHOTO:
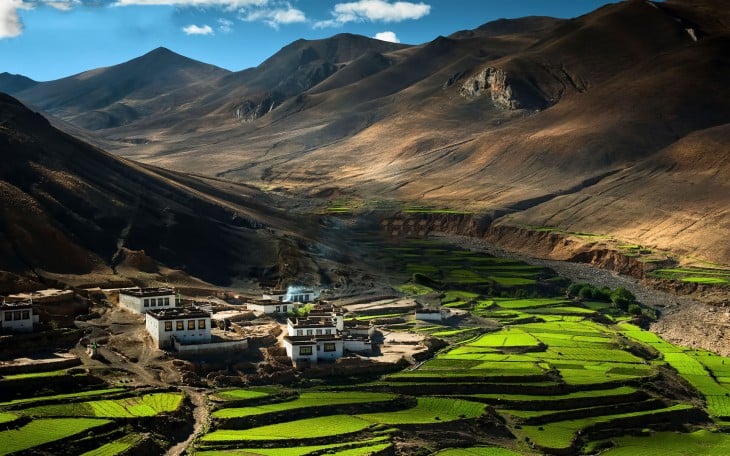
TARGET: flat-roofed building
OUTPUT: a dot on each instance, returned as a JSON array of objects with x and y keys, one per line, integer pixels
[
  {"x": 141, "y": 300},
  {"x": 18, "y": 317},
  {"x": 313, "y": 349},
  {"x": 270, "y": 306},
  {"x": 184, "y": 324}
]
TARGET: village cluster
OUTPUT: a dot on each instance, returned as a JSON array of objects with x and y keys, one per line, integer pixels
[{"x": 320, "y": 333}]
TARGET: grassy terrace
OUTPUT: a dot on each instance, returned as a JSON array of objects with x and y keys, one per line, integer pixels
[
  {"x": 306, "y": 400},
  {"x": 70, "y": 422},
  {"x": 706, "y": 276},
  {"x": 39, "y": 432},
  {"x": 362, "y": 447},
  {"x": 563, "y": 375},
  {"x": 133, "y": 407}
]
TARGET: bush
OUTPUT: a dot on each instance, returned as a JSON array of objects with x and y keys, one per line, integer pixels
[
  {"x": 621, "y": 298},
  {"x": 634, "y": 309}
]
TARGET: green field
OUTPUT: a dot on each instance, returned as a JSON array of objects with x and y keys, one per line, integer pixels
[
  {"x": 239, "y": 394},
  {"x": 133, "y": 407},
  {"x": 28, "y": 400},
  {"x": 116, "y": 447},
  {"x": 477, "y": 451},
  {"x": 39, "y": 432},
  {"x": 429, "y": 410},
  {"x": 697, "y": 443},
  {"x": 302, "y": 429},
  {"x": 298, "y": 450},
  {"x": 306, "y": 400}
]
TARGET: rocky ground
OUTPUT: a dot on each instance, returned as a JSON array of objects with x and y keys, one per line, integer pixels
[{"x": 682, "y": 319}]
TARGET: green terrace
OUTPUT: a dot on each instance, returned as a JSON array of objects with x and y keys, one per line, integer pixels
[
  {"x": 705, "y": 276},
  {"x": 64, "y": 423}
]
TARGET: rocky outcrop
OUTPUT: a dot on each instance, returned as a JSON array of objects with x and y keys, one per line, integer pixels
[
  {"x": 524, "y": 85},
  {"x": 252, "y": 109},
  {"x": 493, "y": 82}
]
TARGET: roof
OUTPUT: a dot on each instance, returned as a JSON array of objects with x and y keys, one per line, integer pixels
[
  {"x": 16, "y": 306},
  {"x": 310, "y": 323},
  {"x": 311, "y": 340},
  {"x": 174, "y": 313},
  {"x": 145, "y": 292}
]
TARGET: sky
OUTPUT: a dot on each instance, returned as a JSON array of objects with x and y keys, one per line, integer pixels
[{"x": 51, "y": 39}]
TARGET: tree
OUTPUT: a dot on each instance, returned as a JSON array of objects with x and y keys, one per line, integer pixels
[
  {"x": 635, "y": 309},
  {"x": 621, "y": 298}
]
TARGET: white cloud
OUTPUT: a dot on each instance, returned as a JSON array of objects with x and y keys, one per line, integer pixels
[
  {"x": 387, "y": 36},
  {"x": 275, "y": 16},
  {"x": 230, "y": 4},
  {"x": 193, "y": 29},
  {"x": 225, "y": 25},
  {"x": 10, "y": 24},
  {"x": 374, "y": 11},
  {"x": 62, "y": 5}
]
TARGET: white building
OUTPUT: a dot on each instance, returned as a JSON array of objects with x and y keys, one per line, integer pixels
[
  {"x": 312, "y": 349},
  {"x": 310, "y": 327},
  {"x": 320, "y": 337},
  {"x": 18, "y": 317},
  {"x": 432, "y": 314},
  {"x": 293, "y": 294},
  {"x": 186, "y": 325},
  {"x": 269, "y": 306},
  {"x": 142, "y": 300}
]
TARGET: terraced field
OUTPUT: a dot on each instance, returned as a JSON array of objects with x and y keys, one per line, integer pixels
[
  {"x": 70, "y": 423},
  {"x": 564, "y": 375}
]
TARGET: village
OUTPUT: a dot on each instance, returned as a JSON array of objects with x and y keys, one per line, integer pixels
[{"x": 295, "y": 329}]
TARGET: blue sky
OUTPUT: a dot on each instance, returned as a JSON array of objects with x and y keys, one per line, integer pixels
[{"x": 50, "y": 39}]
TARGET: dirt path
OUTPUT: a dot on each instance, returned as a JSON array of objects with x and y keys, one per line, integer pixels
[{"x": 201, "y": 417}]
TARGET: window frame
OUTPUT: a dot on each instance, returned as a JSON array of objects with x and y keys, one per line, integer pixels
[
  {"x": 202, "y": 324},
  {"x": 329, "y": 347},
  {"x": 179, "y": 325},
  {"x": 306, "y": 350},
  {"x": 168, "y": 325}
]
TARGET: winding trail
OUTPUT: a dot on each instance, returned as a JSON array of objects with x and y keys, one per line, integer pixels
[{"x": 201, "y": 416}]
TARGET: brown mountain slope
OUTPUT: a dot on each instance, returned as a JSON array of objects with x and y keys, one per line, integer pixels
[
  {"x": 67, "y": 208},
  {"x": 109, "y": 97},
  {"x": 514, "y": 118}
]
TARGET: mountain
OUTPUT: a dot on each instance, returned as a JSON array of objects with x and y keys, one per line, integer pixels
[
  {"x": 613, "y": 123},
  {"x": 109, "y": 97},
  {"x": 11, "y": 83},
  {"x": 73, "y": 214}
]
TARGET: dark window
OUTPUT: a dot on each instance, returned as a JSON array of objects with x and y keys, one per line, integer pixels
[
  {"x": 201, "y": 324},
  {"x": 329, "y": 347},
  {"x": 300, "y": 332},
  {"x": 26, "y": 315},
  {"x": 328, "y": 331},
  {"x": 278, "y": 309},
  {"x": 309, "y": 332},
  {"x": 16, "y": 315},
  {"x": 179, "y": 325},
  {"x": 168, "y": 326},
  {"x": 305, "y": 350},
  {"x": 167, "y": 301},
  {"x": 8, "y": 316},
  {"x": 146, "y": 302},
  {"x": 283, "y": 308},
  {"x": 191, "y": 324},
  {"x": 319, "y": 332}
]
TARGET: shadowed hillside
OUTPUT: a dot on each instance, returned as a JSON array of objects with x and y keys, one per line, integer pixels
[
  {"x": 69, "y": 209},
  {"x": 539, "y": 121}
]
